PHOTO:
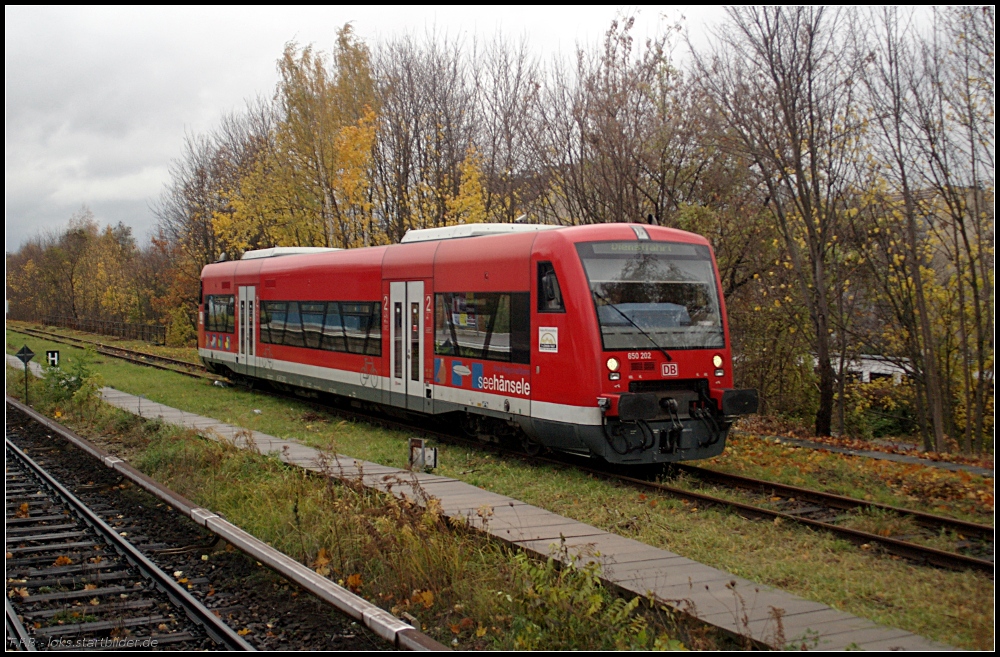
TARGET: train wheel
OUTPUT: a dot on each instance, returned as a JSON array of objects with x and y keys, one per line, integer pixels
[{"x": 531, "y": 447}]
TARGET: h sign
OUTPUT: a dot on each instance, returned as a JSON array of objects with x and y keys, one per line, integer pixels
[{"x": 52, "y": 357}]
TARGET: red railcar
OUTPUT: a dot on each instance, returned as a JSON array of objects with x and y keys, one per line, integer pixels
[{"x": 609, "y": 340}]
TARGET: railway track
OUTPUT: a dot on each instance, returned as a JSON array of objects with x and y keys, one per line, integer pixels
[
  {"x": 812, "y": 508},
  {"x": 78, "y": 583},
  {"x": 215, "y": 557},
  {"x": 821, "y": 511},
  {"x": 800, "y": 500},
  {"x": 137, "y": 357}
]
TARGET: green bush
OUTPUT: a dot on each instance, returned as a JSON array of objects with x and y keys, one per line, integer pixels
[
  {"x": 76, "y": 383},
  {"x": 180, "y": 332},
  {"x": 61, "y": 383}
]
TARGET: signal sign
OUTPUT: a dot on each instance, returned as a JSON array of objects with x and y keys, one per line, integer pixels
[{"x": 25, "y": 355}]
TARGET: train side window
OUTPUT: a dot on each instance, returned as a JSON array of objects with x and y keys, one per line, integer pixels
[
  {"x": 346, "y": 326},
  {"x": 231, "y": 314},
  {"x": 293, "y": 326},
  {"x": 333, "y": 329},
  {"x": 220, "y": 313},
  {"x": 272, "y": 321},
  {"x": 549, "y": 294},
  {"x": 357, "y": 319},
  {"x": 373, "y": 343},
  {"x": 264, "y": 323},
  {"x": 313, "y": 315},
  {"x": 483, "y": 325},
  {"x": 520, "y": 327},
  {"x": 210, "y": 313}
]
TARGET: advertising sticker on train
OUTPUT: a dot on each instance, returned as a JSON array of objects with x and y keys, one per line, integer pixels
[{"x": 548, "y": 339}]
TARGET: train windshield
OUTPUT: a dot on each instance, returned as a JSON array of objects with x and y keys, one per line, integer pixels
[{"x": 652, "y": 295}]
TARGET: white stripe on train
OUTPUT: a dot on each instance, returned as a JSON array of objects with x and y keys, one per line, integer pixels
[{"x": 585, "y": 415}]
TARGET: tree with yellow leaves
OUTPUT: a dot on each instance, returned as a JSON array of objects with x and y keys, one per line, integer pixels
[
  {"x": 311, "y": 187},
  {"x": 469, "y": 205}
]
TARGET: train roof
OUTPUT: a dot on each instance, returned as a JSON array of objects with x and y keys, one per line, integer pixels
[
  {"x": 470, "y": 230},
  {"x": 476, "y": 240},
  {"x": 276, "y": 251}
]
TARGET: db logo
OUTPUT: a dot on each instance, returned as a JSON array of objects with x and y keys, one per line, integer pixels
[{"x": 668, "y": 369}]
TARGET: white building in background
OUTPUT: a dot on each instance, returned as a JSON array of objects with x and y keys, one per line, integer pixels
[
  {"x": 870, "y": 368},
  {"x": 878, "y": 367}
]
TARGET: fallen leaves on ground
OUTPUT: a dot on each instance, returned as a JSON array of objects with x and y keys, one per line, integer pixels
[
  {"x": 942, "y": 490},
  {"x": 321, "y": 564},
  {"x": 759, "y": 426},
  {"x": 463, "y": 625},
  {"x": 426, "y": 598}
]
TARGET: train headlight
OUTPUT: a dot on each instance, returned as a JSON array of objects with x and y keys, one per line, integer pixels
[
  {"x": 613, "y": 364},
  {"x": 717, "y": 361}
]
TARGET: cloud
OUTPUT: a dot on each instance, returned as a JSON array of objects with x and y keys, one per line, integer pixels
[{"x": 98, "y": 100}]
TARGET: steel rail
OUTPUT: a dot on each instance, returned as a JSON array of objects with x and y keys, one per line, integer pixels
[
  {"x": 915, "y": 551},
  {"x": 15, "y": 634},
  {"x": 384, "y": 624},
  {"x": 835, "y": 501},
  {"x": 195, "y": 610},
  {"x": 37, "y": 332}
]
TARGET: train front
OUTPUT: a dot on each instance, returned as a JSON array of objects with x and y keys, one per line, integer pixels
[{"x": 666, "y": 379}]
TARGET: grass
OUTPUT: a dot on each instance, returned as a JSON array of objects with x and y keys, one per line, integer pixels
[
  {"x": 457, "y": 585},
  {"x": 951, "y": 607}
]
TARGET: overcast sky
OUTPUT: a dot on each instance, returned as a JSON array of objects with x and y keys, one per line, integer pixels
[{"x": 98, "y": 100}]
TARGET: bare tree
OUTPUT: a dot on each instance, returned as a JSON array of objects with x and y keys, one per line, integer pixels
[
  {"x": 509, "y": 81},
  {"x": 428, "y": 114},
  {"x": 956, "y": 121},
  {"x": 607, "y": 131},
  {"x": 781, "y": 78},
  {"x": 890, "y": 79}
]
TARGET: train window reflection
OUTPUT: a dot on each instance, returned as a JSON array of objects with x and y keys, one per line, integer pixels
[
  {"x": 483, "y": 325},
  {"x": 654, "y": 295},
  {"x": 220, "y": 313},
  {"x": 549, "y": 294},
  {"x": 347, "y": 326}
]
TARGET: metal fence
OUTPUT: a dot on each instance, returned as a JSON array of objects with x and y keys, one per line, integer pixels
[{"x": 146, "y": 332}]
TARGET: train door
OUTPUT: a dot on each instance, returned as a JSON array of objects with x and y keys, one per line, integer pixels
[
  {"x": 406, "y": 345},
  {"x": 246, "y": 339}
]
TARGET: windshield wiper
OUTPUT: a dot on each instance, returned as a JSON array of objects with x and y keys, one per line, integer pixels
[{"x": 629, "y": 320}]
